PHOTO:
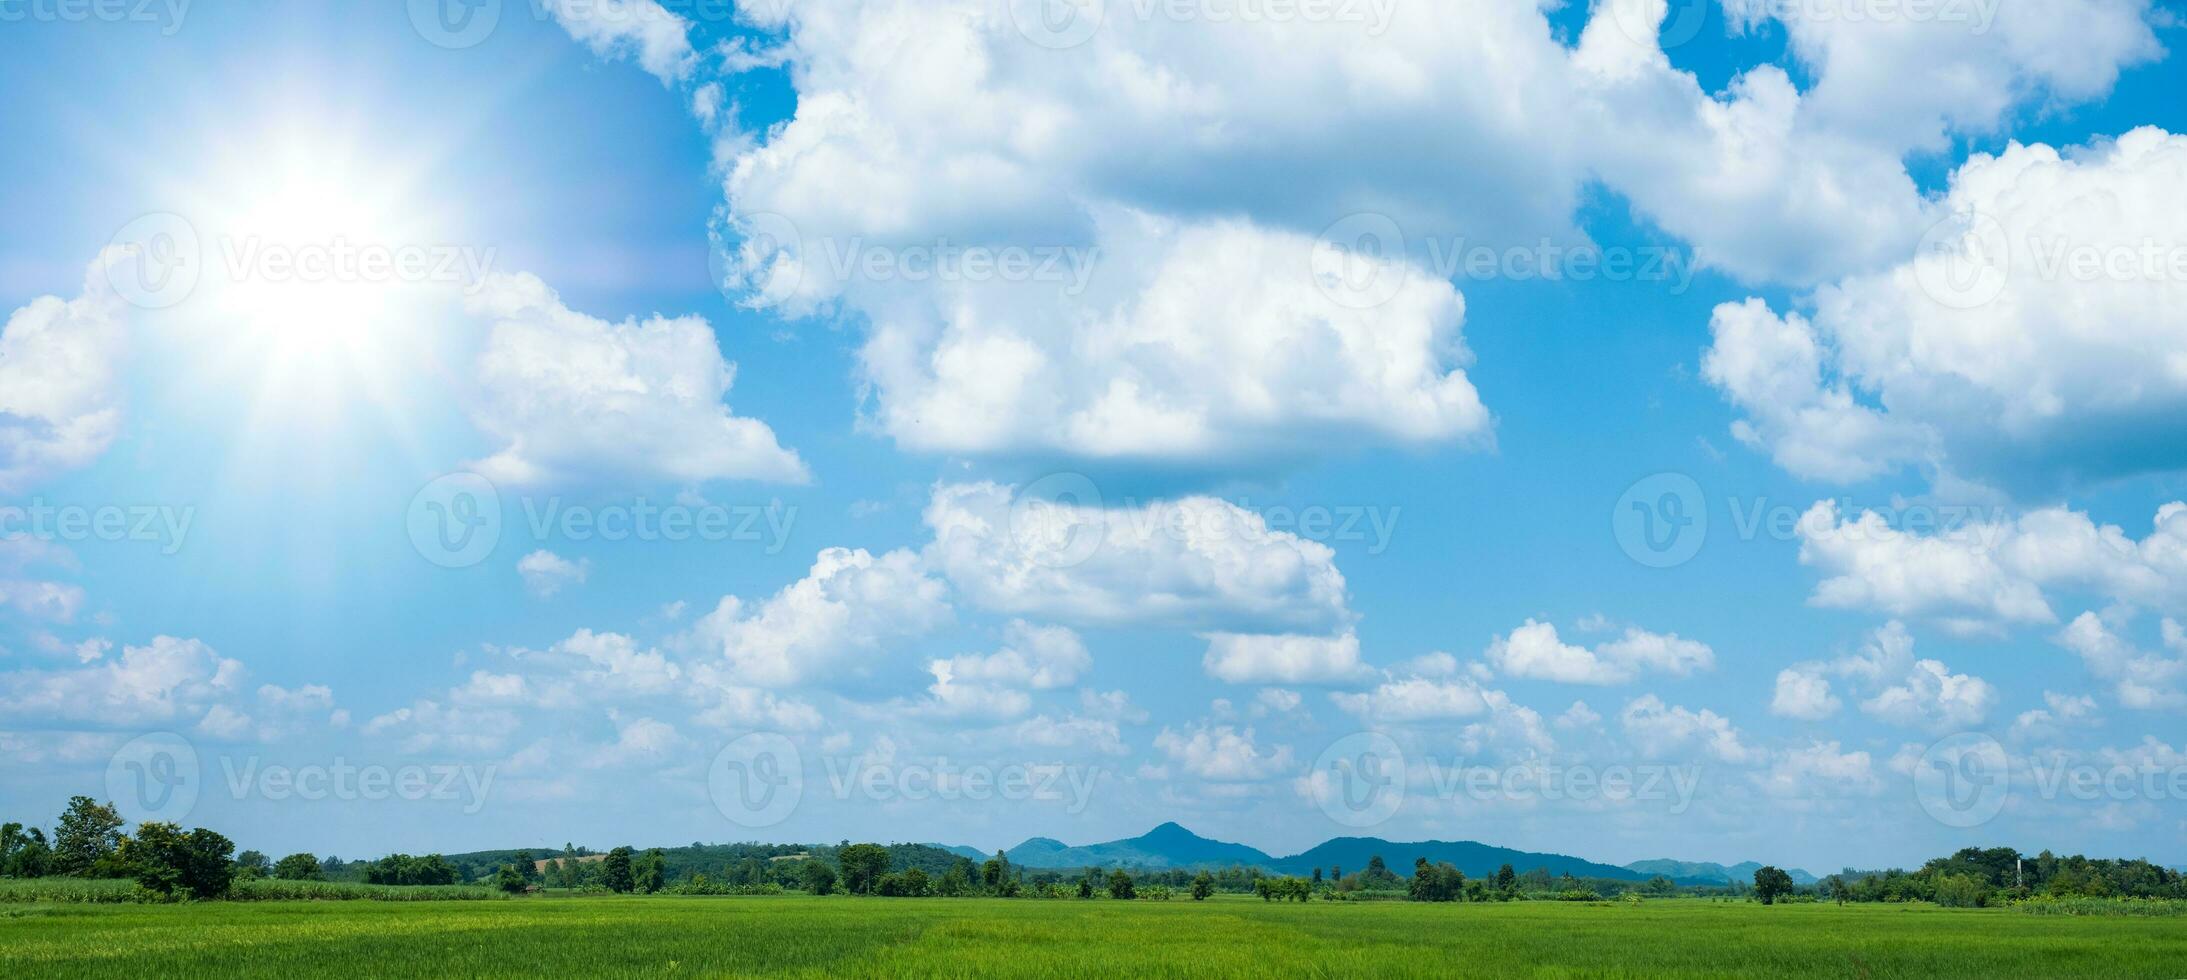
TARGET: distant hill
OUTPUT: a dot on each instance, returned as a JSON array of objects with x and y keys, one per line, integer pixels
[
  {"x": 1173, "y": 846},
  {"x": 1710, "y": 872},
  {"x": 1166, "y": 846},
  {"x": 1473, "y": 858}
]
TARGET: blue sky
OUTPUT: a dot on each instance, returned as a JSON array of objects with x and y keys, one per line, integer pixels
[{"x": 1247, "y": 460}]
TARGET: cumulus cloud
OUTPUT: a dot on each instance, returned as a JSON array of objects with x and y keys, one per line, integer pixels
[
  {"x": 1819, "y": 769},
  {"x": 2032, "y": 342},
  {"x": 1033, "y": 658},
  {"x": 1222, "y": 754},
  {"x": 2141, "y": 679},
  {"x": 574, "y": 395},
  {"x": 1658, "y": 729},
  {"x": 60, "y": 388},
  {"x": 546, "y": 573},
  {"x": 1982, "y": 575},
  {"x": 1535, "y": 651},
  {"x": 1195, "y": 563},
  {"x": 850, "y": 602},
  {"x": 640, "y": 29},
  {"x": 1247, "y": 658},
  {"x": 2059, "y": 713},
  {"x": 1902, "y": 690},
  {"x": 168, "y": 679},
  {"x": 430, "y": 726}
]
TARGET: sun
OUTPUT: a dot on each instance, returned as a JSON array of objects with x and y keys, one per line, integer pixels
[{"x": 326, "y": 268}]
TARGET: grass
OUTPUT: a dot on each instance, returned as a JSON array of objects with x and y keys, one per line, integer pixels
[
  {"x": 107, "y": 891},
  {"x": 1230, "y": 936}
]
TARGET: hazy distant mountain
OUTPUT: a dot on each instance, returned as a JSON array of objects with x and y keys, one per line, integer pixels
[
  {"x": 1172, "y": 846},
  {"x": 1690, "y": 871},
  {"x": 1166, "y": 846},
  {"x": 1473, "y": 858}
]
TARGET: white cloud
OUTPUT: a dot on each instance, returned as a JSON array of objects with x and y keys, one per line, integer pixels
[
  {"x": 1803, "y": 693},
  {"x": 2140, "y": 679},
  {"x": 1222, "y": 753},
  {"x": 850, "y": 602},
  {"x": 60, "y": 390},
  {"x": 640, "y": 29},
  {"x": 1978, "y": 576},
  {"x": 1416, "y": 699},
  {"x": 643, "y": 742},
  {"x": 429, "y": 726},
  {"x": 1195, "y": 563},
  {"x": 1659, "y": 729},
  {"x": 546, "y": 573},
  {"x": 1037, "y": 657},
  {"x": 1819, "y": 769},
  {"x": 2060, "y": 712},
  {"x": 573, "y": 394},
  {"x": 1247, "y": 658},
  {"x": 168, "y": 679},
  {"x": 1579, "y": 716},
  {"x": 1535, "y": 651},
  {"x": 1930, "y": 696},
  {"x": 2032, "y": 342}
]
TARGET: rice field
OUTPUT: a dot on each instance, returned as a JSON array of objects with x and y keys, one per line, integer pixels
[{"x": 1230, "y": 936}]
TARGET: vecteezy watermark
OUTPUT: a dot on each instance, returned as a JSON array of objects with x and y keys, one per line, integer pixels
[
  {"x": 158, "y": 262},
  {"x": 1968, "y": 259},
  {"x": 154, "y": 777},
  {"x": 1661, "y": 520},
  {"x": 1070, "y": 786},
  {"x": 1061, "y": 520},
  {"x": 167, "y": 15},
  {"x": 457, "y": 520},
  {"x": 764, "y": 259},
  {"x": 166, "y": 527},
  {"x": 757, "y": 780},
  {"x": 1364, "y": 260},
  {"x": 1362, "y": 780},
  {"x": 455, "y": 24},
  {"x": 347, "y": 782},
  {"x": 1965, "y": 780},
  {"x": 1063, "y": 24},
  {"x": 1359, "y": 780}
]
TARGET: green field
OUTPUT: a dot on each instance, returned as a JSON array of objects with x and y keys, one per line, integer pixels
[{"x": 1229, "y": 936}]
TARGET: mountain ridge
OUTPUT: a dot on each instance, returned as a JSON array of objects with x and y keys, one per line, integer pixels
[{"x": 1171, "y": 845}]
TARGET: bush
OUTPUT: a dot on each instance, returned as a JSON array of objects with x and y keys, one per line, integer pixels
[{"x": 167, "y": 861}]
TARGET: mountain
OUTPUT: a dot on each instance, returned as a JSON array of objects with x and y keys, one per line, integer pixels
[
  {"x": 1166, "y": 846},
  {"x": 1710, "y": 871},
  {"x": 1473, "y": 858}
]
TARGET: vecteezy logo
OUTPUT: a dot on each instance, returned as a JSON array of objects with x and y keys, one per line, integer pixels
[
  {"x": 1964, "y": 261},
  {"x": 154, "y": 777},
  {"x": 1359, "y": 262},
  {"x": 757, "y": 780},
  {"x": 1963, "y": 781},
  {"x": 758, "y": 259},
  {"x": 1679, "y": 23},
  {"x": 455, "y": 521},
  {"x": 455, "y": 24},
  {"x": 159, "y": 261},
  {"x": 1058, "y": 23},
  {"x": 1662, "y": 520},
  {"x": 1359, "y": 780},
  {"x": 1057, "y": 521}
]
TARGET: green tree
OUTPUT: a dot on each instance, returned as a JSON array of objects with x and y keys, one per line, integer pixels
[
  {"x": 24, "y": 852},
  {"x": 525, "y": 865},
  {"x": 862, "y": 866},
  {"x": 299, "y": 867},
  {"x": 510, "y": 880},
  {"x": 1771, "y": 882},
  {"x": 649, "y": 872},
  {"x": 615, "y": 871},
  {"x": 1507, "y": 882},
  {"x": 917, "y": 884},
  {"x": 1120, "y": 884},
  {"x": 166, "y": 860},
  {"x": 1089, "y": 883},
  {"x": 994, "y": 872},
  {"x": 818, "y": 877},
  {"x": 252, "y": 865},
  {"x": 87, "y": 838},
  {"x": 1203, "y": 885},
  {"x": 957, "y": 881}
]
